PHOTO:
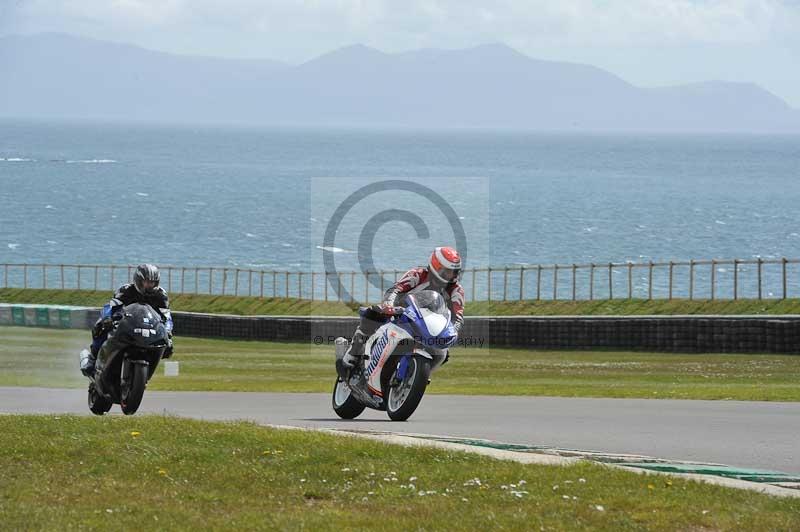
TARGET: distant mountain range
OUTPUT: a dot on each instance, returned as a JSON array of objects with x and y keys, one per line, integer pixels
[{"x": 490, "y": 86}]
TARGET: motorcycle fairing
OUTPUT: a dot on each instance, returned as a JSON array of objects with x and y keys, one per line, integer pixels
[{"x": 381, "y": 346}]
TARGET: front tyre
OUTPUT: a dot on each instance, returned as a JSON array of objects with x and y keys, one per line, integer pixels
[
  {"x": 98, "y": 404},
  {"x": 132, "y": 393},
  {"x": 404, "y": 397},
  {"x": 344, "y": 404}
]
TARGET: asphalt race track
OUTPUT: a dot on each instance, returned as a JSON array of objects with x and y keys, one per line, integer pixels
[{"x": 736, "y": 433}]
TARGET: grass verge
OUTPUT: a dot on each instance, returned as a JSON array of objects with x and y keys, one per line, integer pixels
[
  {"x": 49, "y": 357},
  {"x": 287, "y": 306},
  {"x": 64, "y": 472}
]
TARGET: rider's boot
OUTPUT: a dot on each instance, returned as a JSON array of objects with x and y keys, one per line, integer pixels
[
  {"x": 89, "y": 361},
  {"x": 355, "y": 354}
]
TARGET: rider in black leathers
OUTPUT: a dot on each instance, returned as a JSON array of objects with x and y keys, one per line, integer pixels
[{"x": 144, "y": 289}]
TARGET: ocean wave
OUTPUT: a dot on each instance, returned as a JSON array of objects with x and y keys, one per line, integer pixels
[
  {"x": 333, "y": 249},
  {"x": 16, "y": 160},
  {"x": 91, "y": 161}
]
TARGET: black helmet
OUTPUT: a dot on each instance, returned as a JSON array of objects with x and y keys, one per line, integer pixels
[{"x": 146, "y": 279}]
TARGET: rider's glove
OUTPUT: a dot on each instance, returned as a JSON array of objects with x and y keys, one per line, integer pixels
[
  {"x": 387, "y": 309},
  {"x": 102, "y": 326}
]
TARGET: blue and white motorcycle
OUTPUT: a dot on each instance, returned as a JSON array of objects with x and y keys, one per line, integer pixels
[{"x": 402, "y": 354}]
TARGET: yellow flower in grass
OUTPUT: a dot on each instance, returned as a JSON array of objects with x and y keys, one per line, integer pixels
[
  {"x": 275, "y": 452},
  {"x": 162, "y": 472},
  {"x": 135, "y": 433}
]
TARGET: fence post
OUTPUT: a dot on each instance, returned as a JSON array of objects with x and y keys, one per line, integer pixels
[
  {"x": 61, "y": 267},
  {"x": 691, "y": 279},
  {"x": 261, "y": 285},
  {"x": 366, "y": 287},
  {"x": 630, "y": 280},
  {"x": 591, "y": 281},
  {"x": 287, "y": 284},
  {"x": 650, "y": 281},
  {"x": 274, "y": 284},
  {"x": 671, "y": 267},
  {"x": 111, "y": 281},
  {"x": 236, "y": 283},
  {"x": 44, "y": 276},
  {"x": 489, "y": 281},
  {"x": 522, "y": 283},
  {"x": 760, "y": 262},
  {"x": 610, "y": 281},
  {"x": 505, "y": 283},
  {"x": 79, "y": 276},
  {"x": 783, "y": 264},
  {"x": 474, "y": 274},
  {"x": 353, "y": 286},
  {"x": 183, "y": 280},
  {"x": 300, "y": 285},
  {"x": 224, "y": 279},
  {"x": 196, "y": 281},
  {"x": 210, "y": 281},
  {"x": 25, "y": 276},
  {"x": 735, "y": 279},
  {"x": 574, "y": 273},
  {"x": 555, "y": 282},
  {"x": 5, "y": 276},
  {"x": 380, "y": 274},
  {"x": 538, "y": 282},
  {"x": 713, "y": 279}
]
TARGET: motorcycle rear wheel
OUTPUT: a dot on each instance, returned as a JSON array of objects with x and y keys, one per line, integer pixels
[
  {"x": 98, "y": 404},
  {"x": 403, "y": 398},
  {"x": 344, "y": 404}
]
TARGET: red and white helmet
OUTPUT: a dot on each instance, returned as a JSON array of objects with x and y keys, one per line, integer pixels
[{"x": 445, "y": 264}]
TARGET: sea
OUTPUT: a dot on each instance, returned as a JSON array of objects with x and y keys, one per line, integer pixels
[{"x": 287, "y": 198}]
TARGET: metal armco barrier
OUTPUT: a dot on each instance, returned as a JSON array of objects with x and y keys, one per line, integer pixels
[{"x": 688, "y": 334}]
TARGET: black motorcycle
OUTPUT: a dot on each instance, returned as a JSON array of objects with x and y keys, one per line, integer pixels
[{"x": 131, "y": 355}]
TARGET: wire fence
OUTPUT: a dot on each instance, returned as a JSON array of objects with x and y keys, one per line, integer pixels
[{"x": 694, "y": 279}]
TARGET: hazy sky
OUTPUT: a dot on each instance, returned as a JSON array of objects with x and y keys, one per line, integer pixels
[{"x": 647, "y": 42}]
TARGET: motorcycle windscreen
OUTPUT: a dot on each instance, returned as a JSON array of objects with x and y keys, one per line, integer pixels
[
  {"x": 435, "y": 323},
  {"x": 432, "y": 313}
]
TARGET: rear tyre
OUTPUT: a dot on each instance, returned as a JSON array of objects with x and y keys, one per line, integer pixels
[
  {"x": 98, "y": 404},
  {"x": 133, "y": 393},
  {"x": 404, "y": 397},
  {"x": 344, "y": 404}
]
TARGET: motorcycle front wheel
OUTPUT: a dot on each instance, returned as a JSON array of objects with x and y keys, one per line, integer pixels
[
  {"x": 344, "y": 404},
  {"x": 132, "y": 393},
  {"x": 404, "y": 396}
]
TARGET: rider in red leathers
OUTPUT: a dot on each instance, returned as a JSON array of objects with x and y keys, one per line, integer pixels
[{"x": 441, "y": 274}]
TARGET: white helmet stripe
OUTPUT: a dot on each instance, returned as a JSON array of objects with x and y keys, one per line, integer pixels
[{"x": 444, "y": 262}]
